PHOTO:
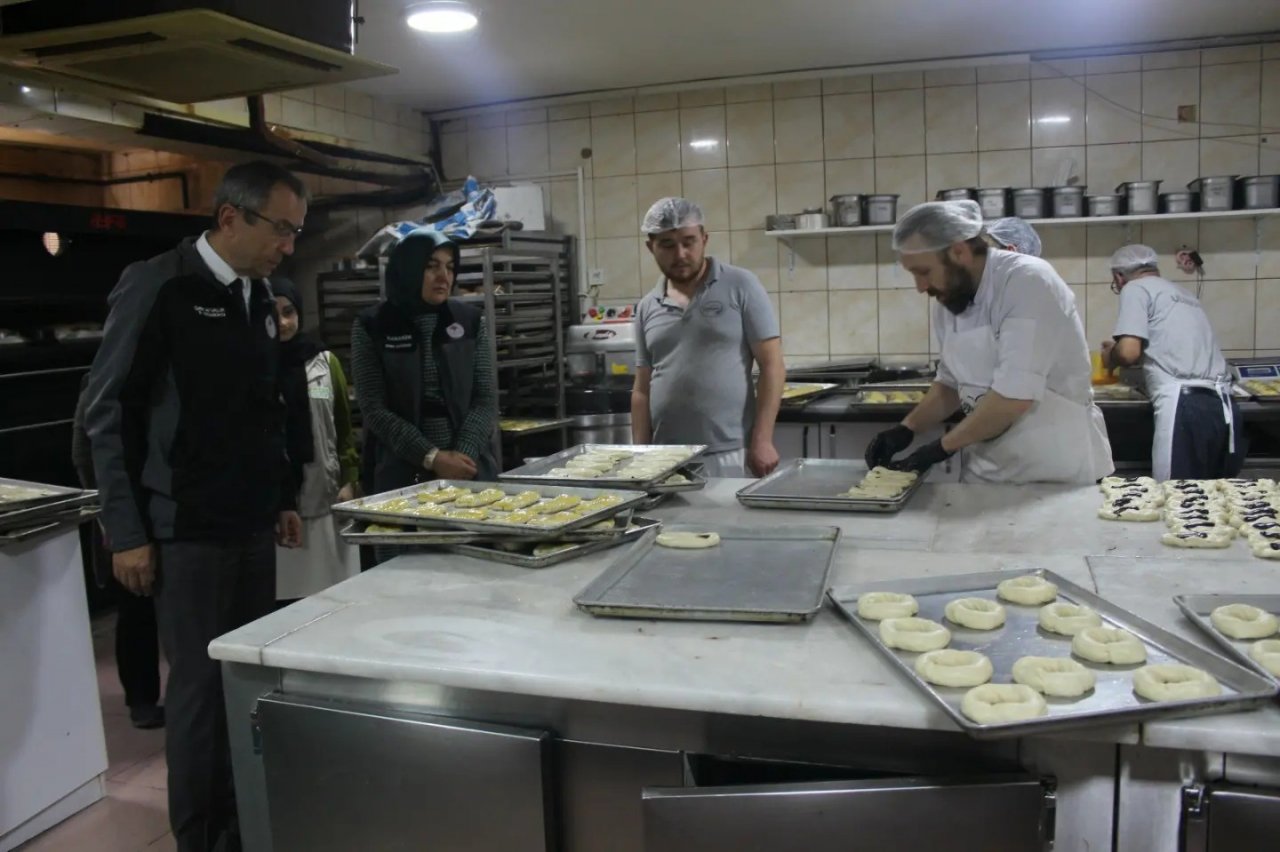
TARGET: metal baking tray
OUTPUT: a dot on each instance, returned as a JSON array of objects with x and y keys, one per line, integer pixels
[
  {"x": 760, "y": 575},
  {"x": 535, "y": 425},
  {"x": 537, "y": 471},
  {"x": 697, "y": 475},
  {"x": 36, "y": 514},
  {"x": 805, "y": 392},
  {"x": 355, "y": 533},
  {"x": 1112, "y": 700},
  {"x": 860, "y": 398},
  {"x": 521, "y": 554},
  {"x": 812, "y": 484},
  {"x": 18, "y": 536},
  {"x": 49, "y": 494},
  {"x": 360, "y": 508},
  {"x": 1198, "y": 607},
  {"x": 1118, "y": 394}
]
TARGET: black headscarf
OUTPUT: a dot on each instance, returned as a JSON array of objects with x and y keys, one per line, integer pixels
[
  {"x": 406, "y": 265},
  {"x": 294, "y": 355}
]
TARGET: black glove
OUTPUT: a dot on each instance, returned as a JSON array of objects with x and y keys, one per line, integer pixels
[
  {"x": 887, "y": 444},
  {"x": 922, "y": 459}
]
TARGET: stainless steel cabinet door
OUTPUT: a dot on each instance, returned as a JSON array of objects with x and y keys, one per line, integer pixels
[
  {"x": 997, "y": 815},
  {"x": 1222, "y": 818},
  {"x": 791, "y": 440},
  {"x": 343, "y": 777}
]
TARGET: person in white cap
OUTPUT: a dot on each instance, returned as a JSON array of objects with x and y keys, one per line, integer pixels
[
  {"x": 1014, "y": 359},
  {"x": 697, "y": 335},
  {"x": 1163, "y": 328},
  {"x": 1013, "y": 234}
]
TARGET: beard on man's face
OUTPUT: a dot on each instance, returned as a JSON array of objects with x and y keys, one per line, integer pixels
[{"x": 960, "y": 287}]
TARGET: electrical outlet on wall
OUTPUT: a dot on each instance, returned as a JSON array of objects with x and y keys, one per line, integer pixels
[{"x": 597, "y": 277}]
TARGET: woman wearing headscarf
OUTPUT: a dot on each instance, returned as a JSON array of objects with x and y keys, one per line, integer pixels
[
  {"x": 322, "y": 452},
  {"x": 424, "y": 373}
]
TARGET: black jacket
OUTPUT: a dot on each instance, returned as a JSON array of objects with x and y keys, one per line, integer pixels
[{"x": 185, "y": 416}]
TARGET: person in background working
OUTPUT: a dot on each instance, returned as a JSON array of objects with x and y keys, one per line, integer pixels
[
  {"x": 187, "y": 429},
  {"x": 1013, "y": 234},
  {"x": 312, "y": 382},
  {"x": 1014, "y": 359},
  {"x": 137, "y": 645},
  {"x": 697, "y": 335},
  {"x": 1163, "y": 328},
  {"x": 424, "y": 374}
]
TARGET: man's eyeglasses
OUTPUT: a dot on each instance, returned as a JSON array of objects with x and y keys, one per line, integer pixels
[{"x": 283, "y": 228}]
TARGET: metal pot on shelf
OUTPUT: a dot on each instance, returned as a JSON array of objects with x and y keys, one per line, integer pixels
[
  {"x": 1106, "y": 205},
  {"x": 780, "y": 222},
  {"x": 1068, "y": 202},
  {"x": 811, "y": 220},
  {"x": 994, "y": 202},
  {"x": 882, "y": 209},
  {"x": 958, "y": 194},
  {"x": 1029, "y": 203},
  {"x": 1216, "y": 193},
  {"x": 1260, "y": 192},
  {"x": 846, "y": 210},
  {"x": 1142, "y": 196},
  {"x": 1179, "y": 202}
]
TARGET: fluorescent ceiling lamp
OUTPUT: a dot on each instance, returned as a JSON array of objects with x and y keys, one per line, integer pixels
[
  {"x": 1054, "y": 119},
  {"x": 441, "y": 16},
  {"x": 704, "y": 144}
]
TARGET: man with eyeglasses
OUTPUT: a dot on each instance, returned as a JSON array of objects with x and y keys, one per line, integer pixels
[{"x": 186, "y": 424}]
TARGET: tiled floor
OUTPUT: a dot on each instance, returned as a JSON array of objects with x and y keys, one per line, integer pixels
[{"x": 134, "y": 815}]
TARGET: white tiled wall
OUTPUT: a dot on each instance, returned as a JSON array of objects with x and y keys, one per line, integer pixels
[
  {"x": 748, "y": 151},
  {"x": 364, "y": 122}
]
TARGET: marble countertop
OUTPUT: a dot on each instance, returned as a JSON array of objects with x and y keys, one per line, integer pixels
[{"x": 462, "y": 622}]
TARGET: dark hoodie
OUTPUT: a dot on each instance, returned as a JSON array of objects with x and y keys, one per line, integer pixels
[{"x": 399, "y": 341}]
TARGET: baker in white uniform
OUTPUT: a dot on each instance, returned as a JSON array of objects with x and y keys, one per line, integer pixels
[
  {"x": 1163, "y": 328},
  {"x": 1014, "y": 359}
]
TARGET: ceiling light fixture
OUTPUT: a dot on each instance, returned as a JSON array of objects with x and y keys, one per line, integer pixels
[
  {"x": 704, "y": 144},
  {"x": 53, "y": 243},
  {"x": 441, "y": 16},
  {"x": 1054, "y": 119}
]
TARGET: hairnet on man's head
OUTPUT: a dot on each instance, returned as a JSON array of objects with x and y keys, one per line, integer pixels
[
  {"x": 1015, "y": 232},
  {"x": 1133, "y": 257},
  {"x": 934, "y": 225},
  {"x": 670, "y": 213}
]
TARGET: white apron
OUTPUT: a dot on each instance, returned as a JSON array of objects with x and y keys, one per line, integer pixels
[
  {"x": 324, "y": 558},
  {"x": 731, "y": 464},
  {"x": 1165, "y": 391},
  {"x": 1057, "y": 440}
]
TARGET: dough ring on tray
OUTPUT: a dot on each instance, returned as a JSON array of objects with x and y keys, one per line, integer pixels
[
  {"x": 1029, "y": 590},
  {"x": 975, "y": 613},
  {"x": 1061, "y": 677},
  {"x": 1109, "y": 645},
  {"x": 947, "y": 667},
  {"x": 688, "y": 540},
  {"x": 1174, "y": 682},
  {"x": 914, "y": 634},
  {"x": 1242, "y": 621},
  {"x": 878, "y": 606},
  {"x": 1002, "y": 702},
  {"x": 1266, "y": 653},
  {"x": 1068, "y": 619}
]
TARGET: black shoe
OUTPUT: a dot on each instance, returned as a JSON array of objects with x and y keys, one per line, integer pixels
[{"x": 147, "y": 716}]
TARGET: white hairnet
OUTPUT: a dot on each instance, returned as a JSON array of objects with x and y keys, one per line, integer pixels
[
  {"x": 934, "y": 225},
  {"x": 1015, "y": 232},
  {"x": 1133, "y": 257},
  {"x": 670, "y": 213}
]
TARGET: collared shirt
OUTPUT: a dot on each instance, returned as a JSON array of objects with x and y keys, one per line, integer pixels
[
  {"x": 1040, "y": 340},
  {"x": 1180, "y": 340},
  {"x": 701, "y": 391},
  {"x": 221, "y": 269}
]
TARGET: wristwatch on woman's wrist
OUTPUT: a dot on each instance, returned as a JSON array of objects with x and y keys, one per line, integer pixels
[{"x": 429, "y": 460}]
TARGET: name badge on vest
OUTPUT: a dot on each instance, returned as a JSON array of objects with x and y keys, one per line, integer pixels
[
  {"x": 398, "y": 342},
  {"x": 455, "y": 331}
]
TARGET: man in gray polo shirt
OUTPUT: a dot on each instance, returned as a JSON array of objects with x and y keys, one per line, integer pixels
[{"x": 697, "y": 335}]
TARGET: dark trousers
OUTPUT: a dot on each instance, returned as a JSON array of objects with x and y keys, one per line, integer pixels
[
  {"x": 1201, "y": 442},
  {"x": 206, "y": 589},
  {"x": 137, "y": 647}
]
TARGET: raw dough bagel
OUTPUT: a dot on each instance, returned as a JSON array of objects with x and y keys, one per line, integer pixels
[
  {"x": 878, "y": 606},
  {"x": 1174, "y": 682},
  {"x": 1068, "y": 619},
  {"x": 1145, "y": 512},
  {"x": 1062, "y": 677},
  {"x": 954, "y": 668},
  {"x": 1029, "y": 590},
  {"x": 1218, "y": 539},
  {"x": 975, "y": 613},
  {"x": 1109, "y": 645},
  {"x": 688, "y": 540},
  {"x": 914, "y": 634},
  {"x": 1242, "y": 621},
  {"x": 1266, "y": 653},
  {"x": 993, "y": 703}
]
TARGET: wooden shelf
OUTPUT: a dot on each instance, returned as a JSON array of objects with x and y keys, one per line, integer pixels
[{"x": 1074, "y": 220}]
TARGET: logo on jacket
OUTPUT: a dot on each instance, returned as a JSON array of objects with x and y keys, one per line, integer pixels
[
  {"x": 271, "y": 327},
  {"x": 713, "y": 309},
  {"x": 398, "y": 342},
  {"x": 454, "y": 331},
  {"x": 211, "y": 313}
]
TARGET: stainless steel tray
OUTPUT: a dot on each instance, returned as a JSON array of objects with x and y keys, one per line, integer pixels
[
  {"x": 697, "y": 474},
  {"x": 537, "y": 471},
  {"x": 812, "y": 484},
  {"x": 1198, "y": 607},
  {"x": 18, "y": 536},
  {"x": 522, "y": 556},
  {"x": 802, "y": 393},
  {"x": 355, "y": 533},
  {"x": 1112, "y": 701},
  {"x": 50, "y": 493},
  {"x": 860, "y": 398},
  {"x": 38, "y": 513},
  {"x": 361, "y": 508},
  {"x": 765, "y": 575}
]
